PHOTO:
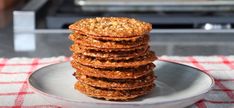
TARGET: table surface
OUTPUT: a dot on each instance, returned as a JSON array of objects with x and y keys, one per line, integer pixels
[{"x": 15, "y": 93}]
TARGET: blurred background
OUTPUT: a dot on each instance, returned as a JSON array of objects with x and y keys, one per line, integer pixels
[{"x": 39, "y": 28}]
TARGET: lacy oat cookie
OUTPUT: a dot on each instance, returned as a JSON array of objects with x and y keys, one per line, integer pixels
[
  {"x": 111, "y": 27},
  {"x": 113, "y": 55},
  {"x": 112, "y": 58},
  {"x": 86, "y": 41},
  {"x": 114, "y": 73},
  {"x": 131, "y": 39},
  {"x": 117, "y": 95},
  {"x": 116, "y": 39},
  {"x": 117, "y": 84},
  {"x": 135, "y": 62},
  {"x": 109, "y": 50}
]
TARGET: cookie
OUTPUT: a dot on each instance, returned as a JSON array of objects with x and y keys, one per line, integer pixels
[
  {"x": 114, "y": 73},
  {"x": 133, "y": 39},
  {"x": 127, "y": 39},
  {"x": 134, "y": 62},
  {"x": 111, "y": 27},
  {"x": 114, "y": 55},
  {"x": 112, "y": 49},
  {"x": 86, "y": 41},
  {"x": 115, "y": 95},
  {"x": 117, "y": 84}
]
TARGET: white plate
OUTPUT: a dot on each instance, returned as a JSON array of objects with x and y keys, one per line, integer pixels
[{"x": 177, "y": 86}]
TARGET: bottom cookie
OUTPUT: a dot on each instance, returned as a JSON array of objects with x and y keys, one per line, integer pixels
[{"x": 115, "y": 95}]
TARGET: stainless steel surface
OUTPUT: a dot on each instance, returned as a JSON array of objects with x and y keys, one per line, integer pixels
[
  {"x": 164, "y": 42},
  {"x": 154, "y": 2},
  {"x": 152, "y": 5},
  {"x": 189, "y": 21}
]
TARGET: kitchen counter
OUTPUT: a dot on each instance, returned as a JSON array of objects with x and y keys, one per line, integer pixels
[{"x": 47, "y": 43}]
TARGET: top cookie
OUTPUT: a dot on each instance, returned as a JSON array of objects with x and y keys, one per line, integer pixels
[{"x": 111, "y": 27}]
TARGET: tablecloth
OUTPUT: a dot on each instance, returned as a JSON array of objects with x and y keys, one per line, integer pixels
[{"x": 15, "y": 93}]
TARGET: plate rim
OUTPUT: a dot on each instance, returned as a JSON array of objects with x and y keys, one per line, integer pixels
[{"x": 37, "y": 91}]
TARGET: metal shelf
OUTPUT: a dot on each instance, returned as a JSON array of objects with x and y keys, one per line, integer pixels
[{"x": 156, "y": 5}]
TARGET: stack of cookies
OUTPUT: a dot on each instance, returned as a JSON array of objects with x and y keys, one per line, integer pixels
[{"x": 112, "y": 58}]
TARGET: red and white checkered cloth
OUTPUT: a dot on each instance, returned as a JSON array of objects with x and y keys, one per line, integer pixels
[{"x": 15, "y": 93}]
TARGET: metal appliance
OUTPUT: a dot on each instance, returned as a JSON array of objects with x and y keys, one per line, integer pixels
[{"x": 163, "y": 14}]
